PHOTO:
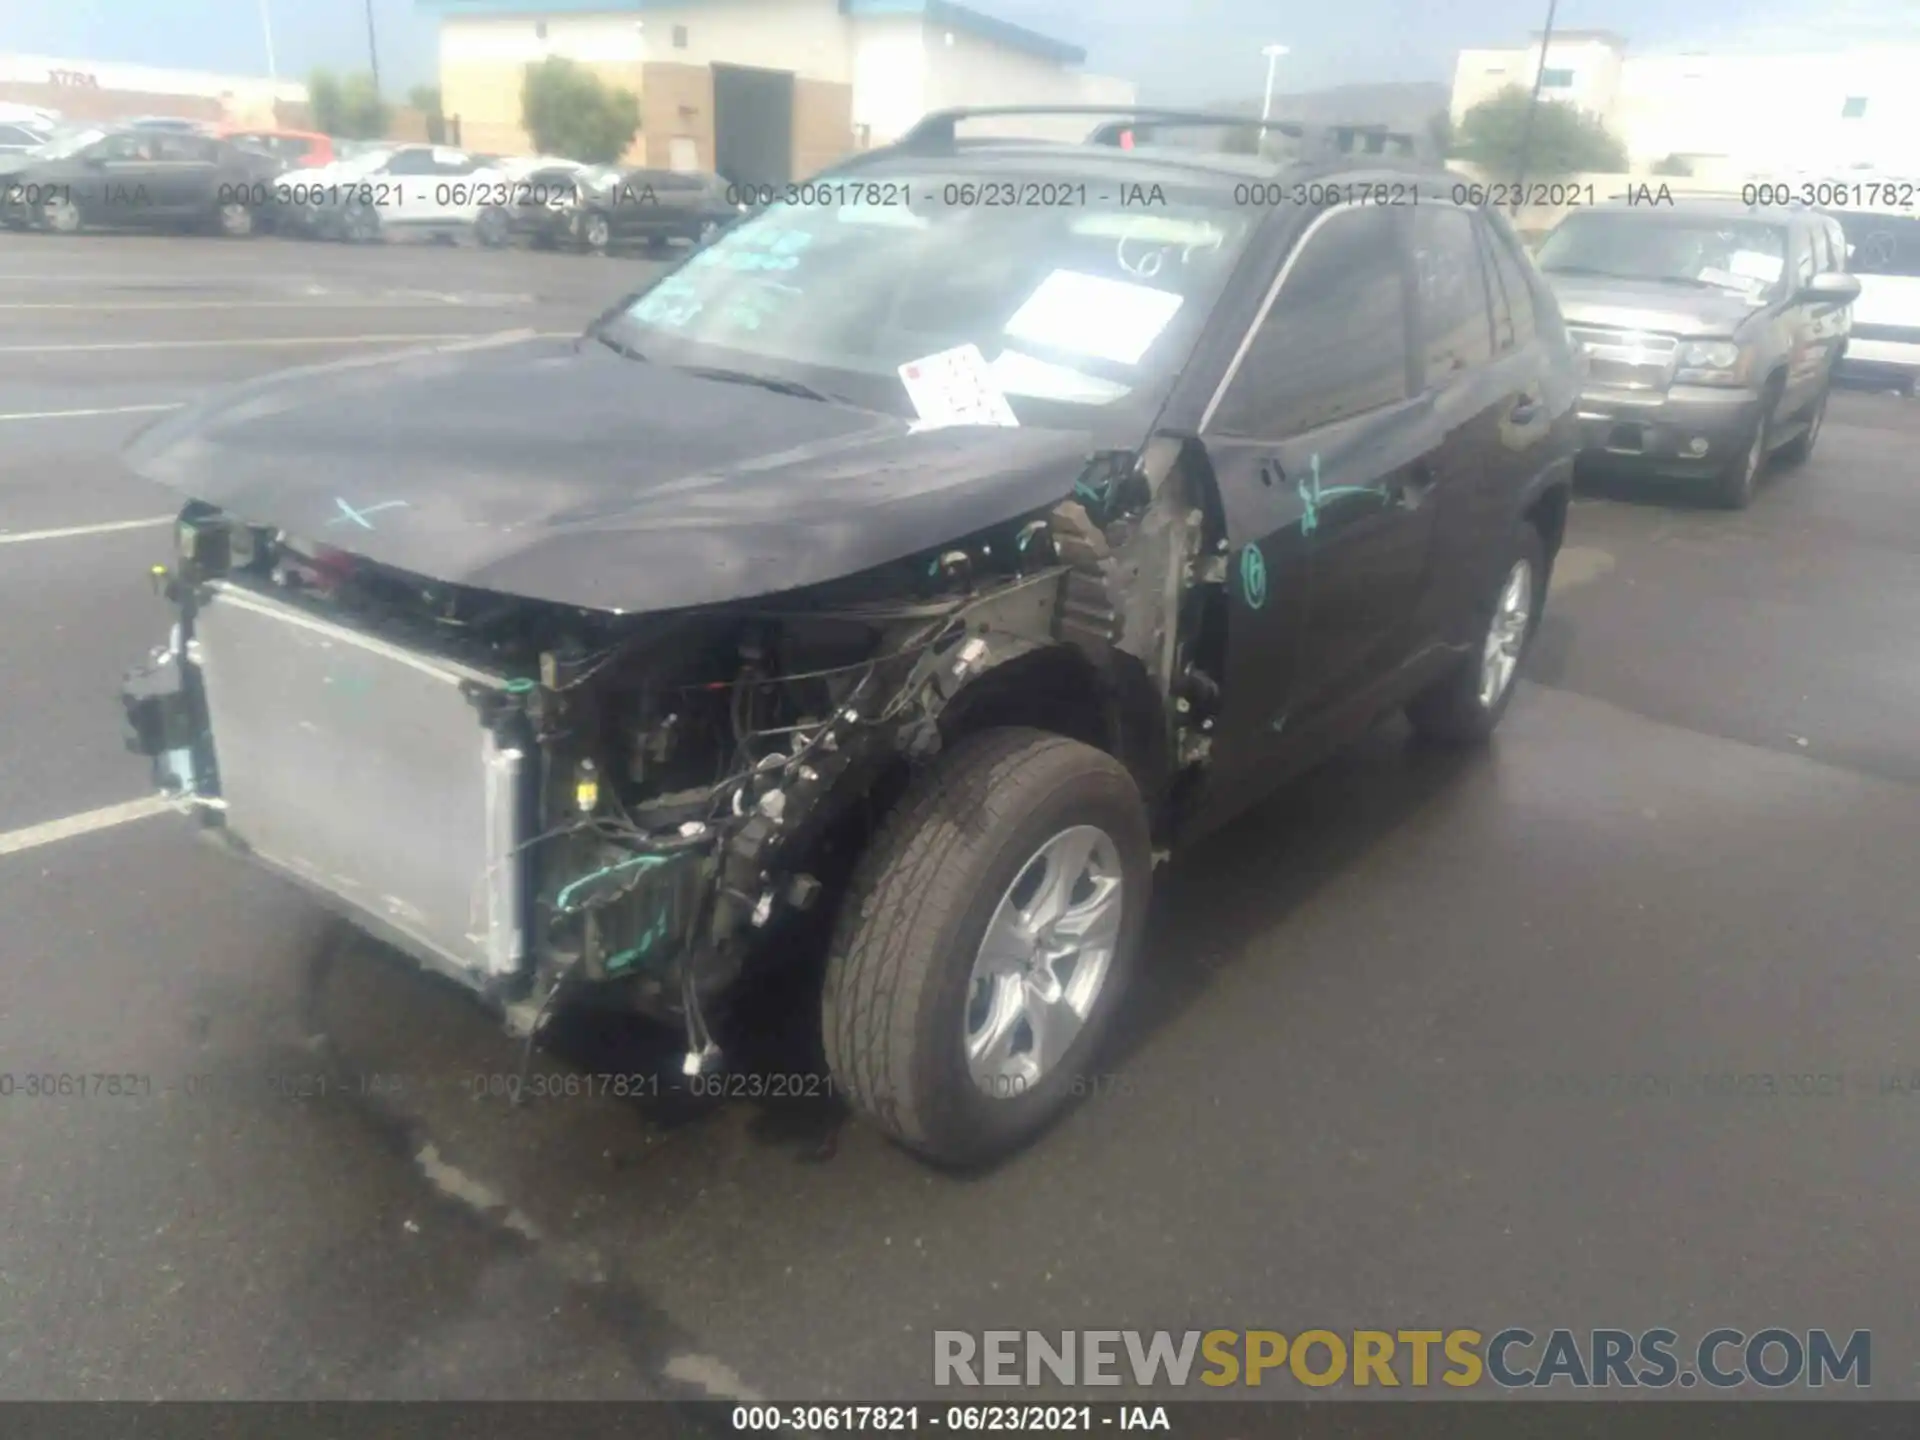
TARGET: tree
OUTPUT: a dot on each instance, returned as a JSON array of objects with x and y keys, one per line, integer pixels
[
  {"x": 1674, "y": 165},
  {"x": 1565, "y": 141},
  {"x": 570, "y": 111},
  {"x": 350, "y": 108},
  {"x": 1440, "y": 133},
  {"x": 426, "y": 99}
]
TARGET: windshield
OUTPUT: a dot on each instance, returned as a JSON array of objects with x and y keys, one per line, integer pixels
[
  {"x": 68, "y": 143},
  {"x": 1746, "y": 257},
  {"x": 1078, "y": 300}
]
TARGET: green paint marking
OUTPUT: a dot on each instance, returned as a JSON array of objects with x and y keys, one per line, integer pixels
[{"x": 1253, "y": 577}]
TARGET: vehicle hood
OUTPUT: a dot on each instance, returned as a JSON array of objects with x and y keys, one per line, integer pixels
[
  {"x": 1644, "y": 305},
  {"x": 558, "y": 470}
]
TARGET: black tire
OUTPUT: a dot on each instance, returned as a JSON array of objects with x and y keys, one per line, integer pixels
[
  {"x": 897, "y": 981},
  {"x": 360, "y": 224},
  {"x": 1451, "y": 710},
  {"x": 1799, "y": 450},
  {"x": 1734, "y": 488}
]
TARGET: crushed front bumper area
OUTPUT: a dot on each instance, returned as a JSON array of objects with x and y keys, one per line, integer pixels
[{"x": 391, "y": 782}]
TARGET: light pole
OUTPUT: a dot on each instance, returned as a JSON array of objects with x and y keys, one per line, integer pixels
[
  {"x": 373, "y": 49},
  {"x": 1273, "y": 54},
  {"x": 266, "y": 29},
  {"x": 1526, "y": 126}
]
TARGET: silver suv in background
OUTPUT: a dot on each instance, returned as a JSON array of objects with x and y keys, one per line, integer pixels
[
  {"x": 1712, "y": 331},
  {"x": 1883, "y": 251}
]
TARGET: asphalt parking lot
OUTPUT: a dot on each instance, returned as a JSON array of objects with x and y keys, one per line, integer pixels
[{"x": 1421, "y": 1044}]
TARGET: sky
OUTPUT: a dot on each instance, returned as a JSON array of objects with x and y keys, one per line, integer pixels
[{"x": 1179, "y": 51}]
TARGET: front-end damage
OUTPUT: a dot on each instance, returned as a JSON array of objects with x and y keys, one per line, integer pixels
[{"x": 533, "y": 797}]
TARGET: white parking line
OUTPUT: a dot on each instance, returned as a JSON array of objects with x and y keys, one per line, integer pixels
[
  {"x": 12, "y": 842},
  {"x": 104, "y": 410},
  {"x": 72, "y": 530},
  {"x": 250, "y": 342}
]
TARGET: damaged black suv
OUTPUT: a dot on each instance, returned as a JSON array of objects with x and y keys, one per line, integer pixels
[{"x": 923, "y": 560}]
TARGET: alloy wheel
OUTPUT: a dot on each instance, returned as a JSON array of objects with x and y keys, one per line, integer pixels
[
  {"x": 61, "y": 215},
  {"x": 1506, "y": 634},
  {"x": 1043, "y": 961},
  {"x": 236, "y": 219}
]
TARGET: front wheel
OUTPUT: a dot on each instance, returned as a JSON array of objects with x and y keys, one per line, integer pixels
[
  {"x": 60, "y": 215},
  {"x": 1735, "y": 488},
  {"x": 490, "y": 227},
  {"x": 1464, "y": 705},
  {"x": 595, "y": 233},
  {"x": 234, "y": 219},
  {"x": 360, "y": 224},
  {"x": 990, "y": 933}
]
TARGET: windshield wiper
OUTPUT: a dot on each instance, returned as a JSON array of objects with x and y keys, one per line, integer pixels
[
  {"x": 765, "y": 382},
  {"x": 619, "y": 347}
]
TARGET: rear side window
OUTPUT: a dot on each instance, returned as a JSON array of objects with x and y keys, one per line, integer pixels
[
  {"x": 1513, "y": 297},
  {"x": 1456, "y": 328},
  {"x": 1882, "y": 244},
  {"x": 1335, "y": 342}
]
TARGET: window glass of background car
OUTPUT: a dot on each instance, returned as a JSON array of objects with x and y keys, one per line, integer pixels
[
  {"x": 1456, "y": 329},
  {"x": 1882, "y": 244},
  {"x": 411, "y": 162},
  {"x": 1334, "y": 345},
  {"x": 185, "y": 149},
  {"x": 126, "y": 148}
]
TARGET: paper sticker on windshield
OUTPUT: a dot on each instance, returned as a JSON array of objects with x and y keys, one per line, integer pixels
[
  {"x": 955, "y": 387},
  {"x": 1089, "y": 315},
  {"x": 1756, "y": 265}
]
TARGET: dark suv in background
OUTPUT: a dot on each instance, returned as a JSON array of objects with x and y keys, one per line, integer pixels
[{"x": 1712, "y": 328}]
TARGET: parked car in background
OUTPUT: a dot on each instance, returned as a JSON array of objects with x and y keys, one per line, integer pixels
[
  {"x": 19, "y": 136},
  {"x": 627, "y": 206},
  {"x": 1883, "y": 253},
  {"x": 498, "y": 187},
  {"x": 1712, "y": 331},
  {"x": 133, "y": 177},
  {"x": 175, "y": 123},
  {"x": 388, "y": 190},
  {"x": 38, "y": 116},
  {"x": 294, "y": 149},
  {"x": 910, "y": 572}
]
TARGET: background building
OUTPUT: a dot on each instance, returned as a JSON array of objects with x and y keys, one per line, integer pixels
[
  {"x": 87, "y": 90},
  {"x": 1821, "y": 113},
  {"x": 761, "y": 90}
]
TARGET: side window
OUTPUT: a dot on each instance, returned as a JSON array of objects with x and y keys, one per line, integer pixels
[
  {"x": 1456, "y": 327},
  {"x": 410, "y": 162},
  {"x": 131, "y": 145},
  {"x": 1517, "y": 295},
  {"x": 185, "y": 149},
  {"x": 452, "y": 162},
  {"x": 1334, "y": 343}
]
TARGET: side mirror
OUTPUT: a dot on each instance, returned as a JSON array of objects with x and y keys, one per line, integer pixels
[{"x": 1832, "y": 288}]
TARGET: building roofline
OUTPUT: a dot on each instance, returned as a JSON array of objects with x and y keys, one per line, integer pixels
[
  {"x": 1610, "y": 37},
  {"x": 948, "y": 13},
  {"x": 963, "y": 17}
]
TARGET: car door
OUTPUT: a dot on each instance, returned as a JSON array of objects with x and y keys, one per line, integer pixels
[
  {"x": 1800, "y": 323},
  {"x": 127, "y": 186},
  {"x": 1533, "y": 379},
  {"x": 1325, "y": 452},
  {"x": 1828, "y": 322},
  {"x": 189, "y": 175},
  {"x": 452, "y": 196},
  {"x": 402, "y": 190},
  {"x": 635, "y": 204},
  {"x": 1472, "y": 402}
]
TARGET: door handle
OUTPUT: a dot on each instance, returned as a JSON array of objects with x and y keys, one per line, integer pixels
[{"x": 1524, "y": 411}]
